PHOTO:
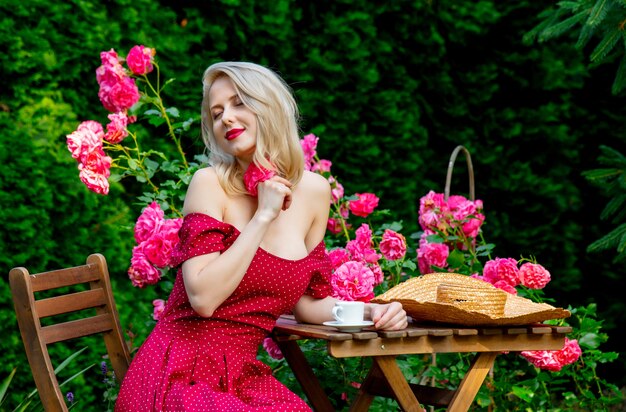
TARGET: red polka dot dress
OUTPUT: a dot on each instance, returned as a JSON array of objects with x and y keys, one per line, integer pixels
[{"x": 191, "y": 363}]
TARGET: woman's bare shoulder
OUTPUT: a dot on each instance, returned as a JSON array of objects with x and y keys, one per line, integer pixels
[
  {"x": 315, "y": 183},
  {"x": 205, "y": 194}
]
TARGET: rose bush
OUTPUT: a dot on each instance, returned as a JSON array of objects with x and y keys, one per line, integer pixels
[{"x": 367, "y": 251}]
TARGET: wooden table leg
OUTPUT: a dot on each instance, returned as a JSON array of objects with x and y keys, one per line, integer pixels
[
  {"x": 473, "y": 380},
  {"x": 387, "y": 366},
  {"x": 305, "y": 376}
]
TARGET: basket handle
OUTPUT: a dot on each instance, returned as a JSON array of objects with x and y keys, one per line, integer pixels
[{"x": 470, "y": 170}]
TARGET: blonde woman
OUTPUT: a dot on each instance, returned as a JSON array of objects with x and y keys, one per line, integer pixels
[{"x": 244, "y": 259}]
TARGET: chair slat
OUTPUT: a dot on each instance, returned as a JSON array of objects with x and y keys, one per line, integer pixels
[
  {"x": 70, "y": 303},
  {"x": 64, "y": 277},
  {"x": 77, "y": 328}
]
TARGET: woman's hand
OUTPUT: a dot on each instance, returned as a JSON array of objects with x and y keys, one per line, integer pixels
[
  {"x": 274, "y": 196},
  {"x": 388, "y": 316}
]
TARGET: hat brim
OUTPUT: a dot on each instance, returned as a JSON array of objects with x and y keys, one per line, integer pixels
[{"x": 419, "y": 299}]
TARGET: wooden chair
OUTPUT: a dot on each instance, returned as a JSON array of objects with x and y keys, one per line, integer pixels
[{"x": 36, "y": 337}]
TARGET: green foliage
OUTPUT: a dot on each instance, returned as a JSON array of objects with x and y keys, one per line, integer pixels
[
  {"x": 612, "y": 179},
  {"x": 603, "y": 20}
]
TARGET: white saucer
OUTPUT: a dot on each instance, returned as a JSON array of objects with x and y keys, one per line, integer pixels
[{"x": 352, "y": 327}]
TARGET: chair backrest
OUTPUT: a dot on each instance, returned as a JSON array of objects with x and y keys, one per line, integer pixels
[{"x": 36, "y": 337}]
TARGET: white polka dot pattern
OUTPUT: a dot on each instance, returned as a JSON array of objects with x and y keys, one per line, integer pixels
[{"x": 190, "y": 363}]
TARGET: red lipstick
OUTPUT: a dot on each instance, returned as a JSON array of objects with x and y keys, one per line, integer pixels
[{"x": 233, "y": 133}]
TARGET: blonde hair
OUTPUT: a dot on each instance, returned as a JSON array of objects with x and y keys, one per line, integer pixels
[{"x": 268, "y": 96}]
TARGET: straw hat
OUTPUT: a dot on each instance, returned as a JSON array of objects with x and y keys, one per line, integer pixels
[{"x": 463, "y": 300}]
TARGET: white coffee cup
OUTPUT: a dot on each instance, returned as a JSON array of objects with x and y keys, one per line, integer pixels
[{"x": 350, "y": 313}]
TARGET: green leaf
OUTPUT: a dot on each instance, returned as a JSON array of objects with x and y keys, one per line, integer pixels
[
  {"x": 152, "y": 112},
  {"x": 456, "y": 258},
  {"x": 598, "y": 12},
  {"x": 172, "y": 111},
  {"x": 559, "y": 28},
  {"x": 133, "y": 164},
  {"x": 5, "y": 385},
  {"x": 606, "y": 45},
  {"x": 590, "y": 340},
  {"x": 525, "y": 394}
]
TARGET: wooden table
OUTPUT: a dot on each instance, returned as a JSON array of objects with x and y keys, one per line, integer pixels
[{"x": 385, "y": 377}]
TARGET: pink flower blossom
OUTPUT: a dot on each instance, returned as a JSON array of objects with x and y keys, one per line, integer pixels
[
  {"x": 533, "y": 275},
  {"x": 393, "y": 245},
  {"x": 141, "y": 271},
  {"x": 323, "y": 166},
  {"x": 336, "y": 192},
  {"x": 309, "y": 145},
  {"x": 95, "y": 170},
  {"x": 353, "y": 281},
  {"x": 85, "y": 139},
  {"x": 149, "y": 222},
  {"x": 432, "y": 206},
  {"x": 505, "y": 286},
  {"x": 160, "y": 246},
  {"x": 254, "y": 175},
  {"x": 502, "y": 269},
  {"x": 338, "y": 257},
  {"x": 116, "y": 129},
  {"x": 111, "y": 70},
  {"x": 432, "y": 254},
  {"x": 272, "y": 348},
  {"x": 334, "y": 226},
  {"x": 361, "y": 247},
  {"x": 139, "y": 59},
  {"x": 364, "y": 205},
  {"x": 159, "y": 307},
  {"x": 555, "y": 360},
  {"x": 158, "y": 250},
  {"x": 119, "y": 96},
  {"x": 379, "y": 276}
]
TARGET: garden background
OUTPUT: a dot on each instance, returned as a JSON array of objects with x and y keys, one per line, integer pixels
[{"x": 390, "y": 89}]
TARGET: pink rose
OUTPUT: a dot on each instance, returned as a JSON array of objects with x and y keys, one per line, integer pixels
[
  {"x": 159, "y": 307},
  {"x": 149, "y": 222},
  {"x": 309, "y": 145},
  {"x": 95, "y": 170},
  {"x": 432, "y": 254},
  {"x": 85, "y": 139},
  {"x": 502, "y": 269},
  {"x": 139, "y": 59},
  {"x": 338, "y": 257},
  {"x": 158, "y": 250},
  {"x": 505, "y": 286},
  {"x": 119, "y": 96},
  {"x": 353, "y": 281},
  {"x": 432, "y": 206},
  {"x": 272, "y": 348},
  {"x": 533, "y": 275},
  {"x": 322, "y": 166},
  {"x": 336, "y": 192},
  {"x": 116, "y": 129},
  {"x": 379, "y": 276},
  {"x": 111, "y": 70},
  {"x": 556, "y": 359},
  {"x": 334, "y": 226},
  {"x": 393, "y": 245},
  {"x": 364, "y": 205},
  {"x": 254, "y": 175},
  {"x": 141, "y": 271}
]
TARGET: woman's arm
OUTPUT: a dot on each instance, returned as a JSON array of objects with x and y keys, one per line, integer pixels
[
  {"x": 210, "y": 279},
  {"x": 389, "y": 316},
  {"x": 311, "y": 310}
]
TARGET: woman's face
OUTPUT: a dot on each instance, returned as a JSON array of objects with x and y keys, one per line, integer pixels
[{"x": 234, "y": 124}]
